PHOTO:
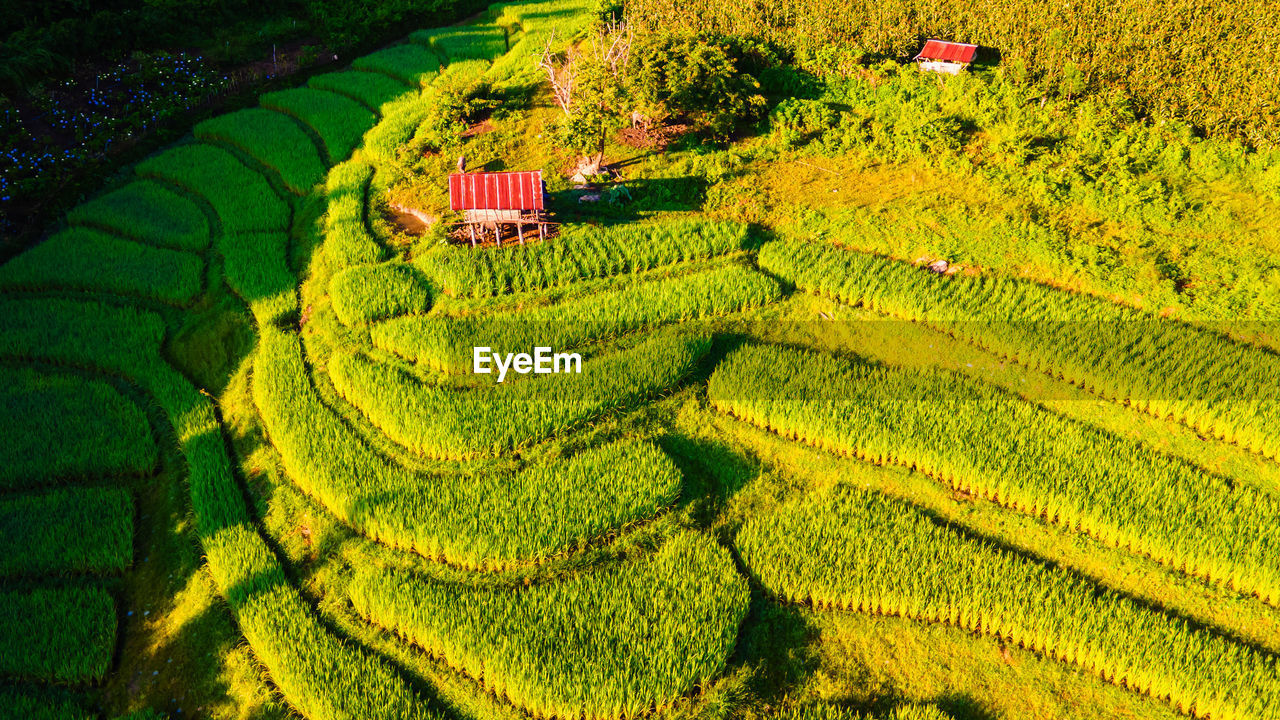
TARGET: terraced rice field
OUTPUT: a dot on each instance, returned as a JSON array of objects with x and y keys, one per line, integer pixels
[{"x": 679, "y": 530}]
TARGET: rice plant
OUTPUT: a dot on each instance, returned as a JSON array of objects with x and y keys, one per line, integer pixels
[
  {"x": 1219, "y": 387},
  {"x": 63, "y": 426},
  {"x": 149, "y": 213},
  {"x": 825, "y": 711},
  {"x": 988, "y": 442},
  {"x": 850, "y": 549},
  {"x": 371, "y": 89},
  {"x": 611, "y": 643},
  {"x": 322, "y": 675},
  {"x": 65, "y": 634},
  {"x": 339, "y": 121},
  {"x": 411, "y": 64},
  {"x": 33, "y": 702},
  {"x": 242, "y": 199},
  {"x": 581, "y": 252},
  {"x": 86, "y": 259},
  {"x": 446, "y": 343},
  {"x": 451, "y": 423},
  {"x": 68, "y": 530},
  {"x": 273, "y": 139},
  {"x": 464, "y": 42},
  {"x": 478, "y": 519},
  {"x": 257, "y": 269},
  {"x": 400, "y": 121},
  {"x": 346, "y": 238},
  {"x": 365, "y": 293}
]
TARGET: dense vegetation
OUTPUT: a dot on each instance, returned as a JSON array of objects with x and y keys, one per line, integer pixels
[{"x": 253, "y": 475}]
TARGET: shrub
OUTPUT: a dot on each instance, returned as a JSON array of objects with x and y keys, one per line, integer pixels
[{"x": 611, "y": 643}]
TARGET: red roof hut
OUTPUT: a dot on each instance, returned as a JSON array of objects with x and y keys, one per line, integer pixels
[
  {"x": 946, "y": 57},
  {"x": 490, "y": 200}
]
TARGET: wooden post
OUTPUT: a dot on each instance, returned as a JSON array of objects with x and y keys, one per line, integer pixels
[
  {"x": 472, "y": 228},
  {"x": 520, "y": 230}
]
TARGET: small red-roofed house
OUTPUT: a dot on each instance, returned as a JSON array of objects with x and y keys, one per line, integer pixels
[
  {"x": 945, "y": 57},
  {"x": 489, "y": 200}
]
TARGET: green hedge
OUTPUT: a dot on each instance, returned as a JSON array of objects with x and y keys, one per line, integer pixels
[
  {"x": 611, "y": 643},
  {"x": 851, "y": 549}
]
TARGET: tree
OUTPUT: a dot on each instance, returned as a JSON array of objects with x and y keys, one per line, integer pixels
[{"x": 588, "y": 82}]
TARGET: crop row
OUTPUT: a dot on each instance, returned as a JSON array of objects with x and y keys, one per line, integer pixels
[
  {"x": 148, "y": 212},
  {"x": 452, "y": 423},
  {"x": 63, "y": 426},
  {"x": 86, "y": 259},
  {"x": 986, "y": 441},
  {"x": 855, "y": 550},
  {"x": 242, "y": 199},
  {"x": 411, "y": 64},
  {"x": 446, "y": 343},
  {"x": 336, "y": 119},
  {"x": 1215, "y": 385},
  {"x": 604, "y": 644},
  {"x": 824, "y": 711},
  {"x": 257, "y": 269},
  {"x": 581, "y": 252},
  {"x": 465, "y": 42},
  {"x": 273, "y": 139},
  {"x": 475, "y": 520},
  {"x": 538, "y": 23},
  {"x": 56, "y": 634},
  {"x": 365, "y": 293},
  {"x": 322, "y": 676},
  {"x": 67, "y": 530},
  {"x": 346, "y": 238},
  {"x": 370, "y": 89}
]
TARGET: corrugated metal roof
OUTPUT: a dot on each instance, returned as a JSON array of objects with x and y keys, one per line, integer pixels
[
  {"x": 948, "y": 51},
  {"x": 496, "y": 191}
]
